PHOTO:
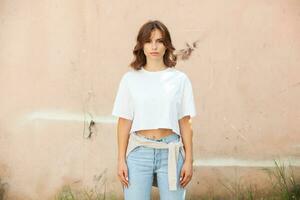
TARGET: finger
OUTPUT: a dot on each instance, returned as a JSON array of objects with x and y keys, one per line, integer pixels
[
  {"x": 125, "y": 178},
  {"x": 186, "y": 181},
  {"x": 126, "y": 175},
  {"x": 183, "y": 178},
  {"x": 124, "y": 183},
  {"x": 182, "y": 173}
]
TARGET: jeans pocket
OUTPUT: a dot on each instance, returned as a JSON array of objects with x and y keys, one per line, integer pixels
[{"x": 135, "y": 149}]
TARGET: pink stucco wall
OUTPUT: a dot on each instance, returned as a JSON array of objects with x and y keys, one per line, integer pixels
[{"x": 61, "y": 62}]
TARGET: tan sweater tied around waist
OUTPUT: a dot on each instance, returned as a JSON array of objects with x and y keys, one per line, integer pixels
[{"x": 173, "y": 147}]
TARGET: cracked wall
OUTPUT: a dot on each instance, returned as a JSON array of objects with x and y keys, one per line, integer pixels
[{"x": 60, "y": 63}]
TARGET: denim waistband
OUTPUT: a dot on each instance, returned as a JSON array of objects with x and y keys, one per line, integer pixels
[{"x": 166, "y": 139}]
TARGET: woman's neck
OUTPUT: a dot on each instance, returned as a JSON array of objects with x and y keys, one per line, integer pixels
[{"x": 155, "y": 66}]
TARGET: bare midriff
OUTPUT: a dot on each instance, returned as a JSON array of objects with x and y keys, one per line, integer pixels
[{"x": 155, "y": 133}]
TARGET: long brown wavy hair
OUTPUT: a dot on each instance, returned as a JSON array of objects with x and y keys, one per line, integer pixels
[{"x": 169, "y": 58}]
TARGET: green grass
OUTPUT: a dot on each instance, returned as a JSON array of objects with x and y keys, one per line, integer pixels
[
  {"x": 283, "y": 184},
  {"x": 68, "y": 194},
  {"x": 238, "y": 190},
  {"x": 98, "y": 192}
]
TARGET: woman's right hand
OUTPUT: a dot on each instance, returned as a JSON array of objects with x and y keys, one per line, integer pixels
[{"x": 123, "y": 173}]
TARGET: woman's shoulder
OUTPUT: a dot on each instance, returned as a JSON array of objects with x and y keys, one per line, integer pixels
[
  {"x": 180, "y": 74},
  {"x": 179, "y": 71},
  {"x": 127, "y": 73}
]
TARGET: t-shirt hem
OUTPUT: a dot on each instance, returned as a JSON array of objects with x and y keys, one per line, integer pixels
[
  {"x": 173, "y": 130},
  {"x": 122, "y": 116},
  {"x": 192, "y": 115}
]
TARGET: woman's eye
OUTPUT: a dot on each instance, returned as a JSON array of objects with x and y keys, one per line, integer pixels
[{"x": 160, "y": 41}]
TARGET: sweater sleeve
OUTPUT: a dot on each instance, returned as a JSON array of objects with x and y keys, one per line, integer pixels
[
  {"x": 123, "y": 106},
  {"x": 187, "y": 104}
]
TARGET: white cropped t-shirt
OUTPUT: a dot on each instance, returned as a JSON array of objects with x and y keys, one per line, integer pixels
[{"x": 154, "y": 99}]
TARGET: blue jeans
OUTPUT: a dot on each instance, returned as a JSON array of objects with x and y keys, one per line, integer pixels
[{"x": 144, "y": 163}]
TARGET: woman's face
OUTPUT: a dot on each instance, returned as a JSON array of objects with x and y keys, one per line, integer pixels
[{"x": 154, "y": 48}]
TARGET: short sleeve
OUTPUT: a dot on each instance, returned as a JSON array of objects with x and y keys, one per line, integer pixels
[
  {"x": 187, "y": 103},
  {"x": 122, "y": 106}
]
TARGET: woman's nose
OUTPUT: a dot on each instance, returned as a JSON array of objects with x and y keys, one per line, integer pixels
[{"x": 154, "y": 45}]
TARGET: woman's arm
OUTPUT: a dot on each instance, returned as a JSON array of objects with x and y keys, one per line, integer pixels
[
  {"x": 124, "y": 126},
  {"x": 186, "y": 131}
]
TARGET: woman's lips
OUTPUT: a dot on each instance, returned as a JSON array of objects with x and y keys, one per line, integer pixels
[{"x": 154, "y": 53}]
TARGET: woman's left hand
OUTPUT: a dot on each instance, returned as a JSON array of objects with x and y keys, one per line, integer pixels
[{"x": 186, "y": 173}]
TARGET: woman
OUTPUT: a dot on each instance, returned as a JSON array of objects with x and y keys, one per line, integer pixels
[{"x": 154, "y": 104}]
